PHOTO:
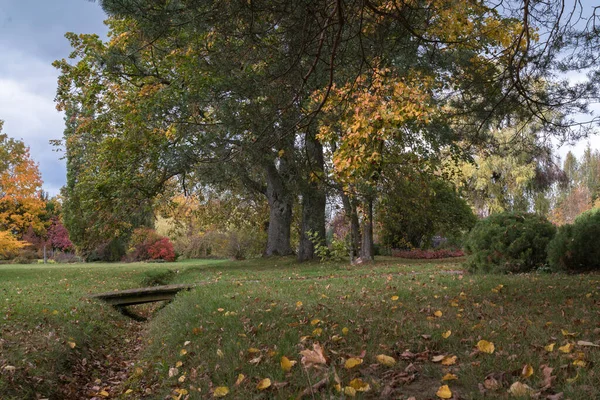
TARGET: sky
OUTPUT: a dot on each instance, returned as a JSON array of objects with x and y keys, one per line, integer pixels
[{"x": 31, "y": 38}]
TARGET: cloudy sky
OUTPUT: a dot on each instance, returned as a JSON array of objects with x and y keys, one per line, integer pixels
[{"x": 31, "y": 37}]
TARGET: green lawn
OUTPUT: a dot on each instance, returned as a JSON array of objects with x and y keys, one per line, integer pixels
[{"x": 245, "y": 316}]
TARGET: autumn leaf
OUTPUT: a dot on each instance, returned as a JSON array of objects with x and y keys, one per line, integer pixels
[
  {"x": 438, "y": 313},
  {"x": 584, "y": 343},
  {"x": 450, "y": 360},
  {"x": 566, "y": 333},
  {"x": 444, "y": 392},
  {"x": 349, "y": 391},
  {"x": 566, "y": 348},
  {"x": 72, "y": 344},
  {"x": 449, "y": 377},
  {"x": 315, "y": 321},
  {"x": 287, "y": 364},
  {"x": 220, "y": 353},
  {"x": 550, "y": 347},
  {"x": 264, "y": 384},
  {"x": 579, "y": 363},
  {"x": 313, "y": 357},
  {"x": 527, "y": 371},
  {"x": 345, "y": 331},
  {"x": 395, "y": 298},
  {"x": 221, "y": 391},
  {"x": 352, "y": 362},
  {"x": 240, "y": 379},
  {"x": 446, "y": 334},
  {"x": 485, "y": 347},
  {"x": 519, "y": 389},
  {"x": 183, "y": 352},
  {"x": 386, "y": 360},
  {"x": 359, "y": 385}
]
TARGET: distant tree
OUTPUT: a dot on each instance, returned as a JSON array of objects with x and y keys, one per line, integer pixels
[
  {"x": 21, "y": 203},
  {"x": 59, "y": 236}
]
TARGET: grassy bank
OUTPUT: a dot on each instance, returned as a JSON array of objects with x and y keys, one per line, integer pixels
[{"x": 233, "y": 330}]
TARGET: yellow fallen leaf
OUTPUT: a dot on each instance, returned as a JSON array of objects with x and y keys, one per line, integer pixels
[
  {"x": 298, "y": 304},
  {"x": 253, "y": 350},
  {"x": 566, "y": 333},
  {"x": 221, "y": 391},
  {"x": 183, "y": 352},
  {"x": 178, "y": 364},
  {"x": 571, "y": 380},
  {"x": 345, "y": 331},
  {"x": 579, "y": 363},
  {"x": 128, "y": 391},
  {"x": 220, "y": 353},
  {"x": 386, "y": 360},
  {"x": 549, "y": 348},
  {"x": 349, "y": 391},
  {"x": 395, "y": 298},
  {"x": 454, "y": 303},
  {"x": 240, "y": 379},
  {"x": 72, "y": 344},
  {"x": 315, "y": 321},
  {"x": 449, "y": 377},
  {"x": 264, "y": 384},
  {"x": 352, "y": 362},
  {"x": 317, "y": 332},
  {"x": 181, "y": 392},
  {"x": 527, "y": 371},
  {"x": 485, "y": 347},
  {"x": 519, "y": 389},
  {"x": 566, "y": 348},
  {"x": 287, "y": 364},
  {"x": 103, "y": 393},
  {"x": 359, "y": 385},
  {"x": 444, "y": 392},
  {"x": 446, "y": 334},
  {"x": 462, "y": 295},
  {"x": 438, "y": 313},
  {"x": 449, "y": 360}
]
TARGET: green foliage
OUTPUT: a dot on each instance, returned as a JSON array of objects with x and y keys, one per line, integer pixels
[
  {"x": 509, "y": 243},
  {"x": 157, "y": 277},
  {"x": 576, "y": 247},
  {"x": 418, "y": 208},
  {"x": 338, "y": 249}
]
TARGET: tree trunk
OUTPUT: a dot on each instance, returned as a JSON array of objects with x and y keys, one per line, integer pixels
[
  {"x": 281, "y": 202},
  {"x": 367, "y": 250},
  {"x": 352, "y": 215},
  {"x": 313, "y": 202}
]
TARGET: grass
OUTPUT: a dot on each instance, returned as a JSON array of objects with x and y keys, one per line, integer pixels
[{"x": 245, "y": 316}]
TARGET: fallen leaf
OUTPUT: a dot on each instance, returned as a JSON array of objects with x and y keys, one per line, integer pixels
[
  {"x": 220, "y": 353},
  {"x": 313, "y": 357},
  {"x": 359, "y": 385},
  {"x": 566, "y": 333},
  {"x": 178, "y": 364},
  {"x": 449, "y": 377},
  {"x": 449, "y": 360},
  {"x": 386, "y": 360},
  {"x": 438, "y": 313},
  {"x": 491, "y": 383},
  {"x": 103, "y": 393},
  {"x": 395, "y": 298},
  {"x": 519, "y": 389},
  {"x": 444, "y": 392},
  {"x": 549, "y": 348},
  {"x": 485, "y": 347},
  {"x": 571, "y": 380},
  {"x": 221, "y": 391},
  {"x": 315, "y": 321},
  {"x": 352, "y": 362},
  {"x": 345, "y": 331},
  {"x": 446, "y": 334},
  {"x": 349, "y": 391},
  {"x": 287, "y": 364},
  {"x": 584, "y": 343},
  {"x": 240, "y": 379},
  {"x": 527, "y": 371},
  {"x": 264, "y": 384},
  {"x": 566, "y": 348},
  {"x": 183, "y": 352},
  {"x": 579, "y": 363}
]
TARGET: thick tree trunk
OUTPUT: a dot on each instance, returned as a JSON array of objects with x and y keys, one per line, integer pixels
[
  {"x": 281, "y": 202},
  {"x": 313, "y": 203},
  {"x": 367, "y": 250},
  {"x": 352, "y": 215}
]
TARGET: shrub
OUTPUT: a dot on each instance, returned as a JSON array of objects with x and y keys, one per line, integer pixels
[
  {"x": 576, "y": 247},
  {"x": 509, "y": 243},
  {"x": 162, "y": 249}
]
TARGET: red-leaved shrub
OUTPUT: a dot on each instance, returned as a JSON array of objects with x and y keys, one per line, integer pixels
[
  {"x": 162, "y": 249},
  {"x": 427, "y": 254}
]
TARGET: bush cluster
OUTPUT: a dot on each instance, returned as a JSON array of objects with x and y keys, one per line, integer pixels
[
  {"x": 145, "y": 244},
  {"x": 576, "y": 247},
  {"x": 509, "y": 242}
]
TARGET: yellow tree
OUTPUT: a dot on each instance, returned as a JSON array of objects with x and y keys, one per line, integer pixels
[{"x": 21, "y": 202}]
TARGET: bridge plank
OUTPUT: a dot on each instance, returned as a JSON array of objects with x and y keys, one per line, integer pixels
[{"x": 130, "y": 297}]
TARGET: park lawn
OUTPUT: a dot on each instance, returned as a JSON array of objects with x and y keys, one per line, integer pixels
[{"x": 245, "y": 316}]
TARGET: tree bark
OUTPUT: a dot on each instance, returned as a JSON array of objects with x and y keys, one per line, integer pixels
[
  {"x": 367, "y": 250},
  {"x": 313, "y": 202},
  {"x": 352, "y": 215},
  {"x": 281, "y": 201}
]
